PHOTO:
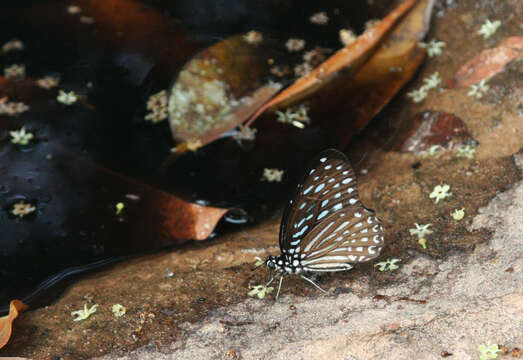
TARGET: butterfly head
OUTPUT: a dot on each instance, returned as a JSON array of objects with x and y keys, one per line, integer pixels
[
  {"x": 283, "y": 264},
  {"x": 272, "y": 262}
]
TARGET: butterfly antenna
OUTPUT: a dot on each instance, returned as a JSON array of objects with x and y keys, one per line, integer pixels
[
  {"x": 279, "y": 288},
  {"x": 313, "y": 283}
]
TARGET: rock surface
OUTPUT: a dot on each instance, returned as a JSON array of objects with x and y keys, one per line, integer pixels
[{"x": 450, "y": 306}]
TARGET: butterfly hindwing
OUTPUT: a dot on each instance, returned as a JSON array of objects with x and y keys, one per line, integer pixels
[
  {"x": 329, "y": 187},
  {"x": 350, "y": 236}
]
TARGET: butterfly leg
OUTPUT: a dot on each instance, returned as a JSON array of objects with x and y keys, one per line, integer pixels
[
  {"x": 272, "y": 278},
  {"x": 279, "y": 288},
  {"x": 313, "y": 283}
]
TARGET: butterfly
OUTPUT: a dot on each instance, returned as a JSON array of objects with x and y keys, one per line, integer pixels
[{"x": 325, "y": 227}]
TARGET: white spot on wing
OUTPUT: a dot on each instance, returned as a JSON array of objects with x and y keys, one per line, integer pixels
[
  {"x": 345, "y": 223},
  {"x": 323, "y": 214},
  {"x": 337, "y": 207},
  {"x": 328, "y": 167},
  {"x": 318, "y": 236},
  {"x": 323, "y": 159},
  {"x": 318, "y": 188},
  {"x": 303, "y": 204},
  {"x": 339, "y": 167},
  {"x": 353, "y": 201},
  {"x": 346, "y": 181},
  {"x": 308, "y": 190},
  {"x": 337, "y": 196},
  {"x": 371, "y": 251},
  {"x": 301, "y": 232},
  {"x": 357, "y": 214},
  {"x": 350, "y": 190},
  {"x": 324, "y": 202}
]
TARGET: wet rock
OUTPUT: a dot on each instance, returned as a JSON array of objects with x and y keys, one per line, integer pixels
[{"x": 436, "y": 128}]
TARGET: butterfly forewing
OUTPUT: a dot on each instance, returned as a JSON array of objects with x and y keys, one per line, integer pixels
[
  {"x": 325, "y": 222},
  {"x": 329, "y": 186}
]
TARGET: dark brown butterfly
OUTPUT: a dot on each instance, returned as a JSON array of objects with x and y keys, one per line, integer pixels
[{"x": 325, "y": 227}]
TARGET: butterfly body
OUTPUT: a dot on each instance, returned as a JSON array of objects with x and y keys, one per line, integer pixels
[{"x": 325, "y": 227}]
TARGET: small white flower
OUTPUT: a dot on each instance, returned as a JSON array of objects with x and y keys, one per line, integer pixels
[
  {"x": 253, "y": 37},
  {"x": 479, "y": 89},
  {"x": 47, "y": 82},
  {"x": 74, "y": 9},
  {"x": 118, "y": 310},
  {"x": 14, "y": 71},
  {"x": 21, "y": 137},
  {"x": 66, "y": 98},
  {"x": 157, "y": 104},
  {"x": 119, "y": 208},
  {"x": 272, "y": 175},
  {"x": 260, "y": 291},
  {"x": 302, "y": 69},
  {"x": 21, "y": 209},
  {"x": 418, "y": 95},
  {"x": 488, "y": 351},
  {"x": 432, "y": 81},
  {"x": 465, "y": 151},
  {"x": 489, "y": 28},
  {"x": 12, "y": 108},
  {"x": 83, "y": 314},
  {"x": 296, "y": 116},
  {"x": 432, "y": 151},
  {"x": 388, "y": 265},
  {"x": 245, "y": 133},
  {"x": 440, "y": 192},
  {"x": 259, "y": 261},
  {"x": 458, "y": 214},
  {"x": 86, "y": 19},
  {"x": 294, "y": 45},
  {"x": 421, "y": 230},
  {"x": 12, "y": 45},
  {"x": 347, "y": 36},
  {"x": 434, "y": 47},
  {"x": 319, "y": 18}
]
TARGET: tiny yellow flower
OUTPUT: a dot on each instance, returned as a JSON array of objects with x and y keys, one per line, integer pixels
[
  {"x": 458, "y": 214},
  {"x": 260, "y": 291},
  {"x": 118, "y": 310},
  {"x": 119, "y": 207},
  {"x": 83, "y": 314}
]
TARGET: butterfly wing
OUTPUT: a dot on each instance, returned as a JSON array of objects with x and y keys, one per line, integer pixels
[
  {"x": 329, "y": 187},
  {"x": 352, "y": 235}
]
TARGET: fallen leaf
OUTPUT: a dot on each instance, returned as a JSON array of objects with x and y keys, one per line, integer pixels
[
  {"x": 214, "y": 92},
  {"x": 434, "y": 128},
  {"x": 6, "y": 322},
  {"x": 488, "y": 63},
  {"x": 349, "y": 58}
]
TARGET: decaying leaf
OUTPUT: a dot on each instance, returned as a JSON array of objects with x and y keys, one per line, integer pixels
[
  {"x": 489, "y": 62},
  {"x": 6, "y": 322},
  {"x": 350, "y": 58},
  {"x": 218, "y": 89}
]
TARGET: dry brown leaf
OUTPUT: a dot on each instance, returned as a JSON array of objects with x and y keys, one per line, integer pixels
[
  {"x": 6, "y": 322},
  {"x": 489, "y": 62},
  {"x": 350, "y": 57}
]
